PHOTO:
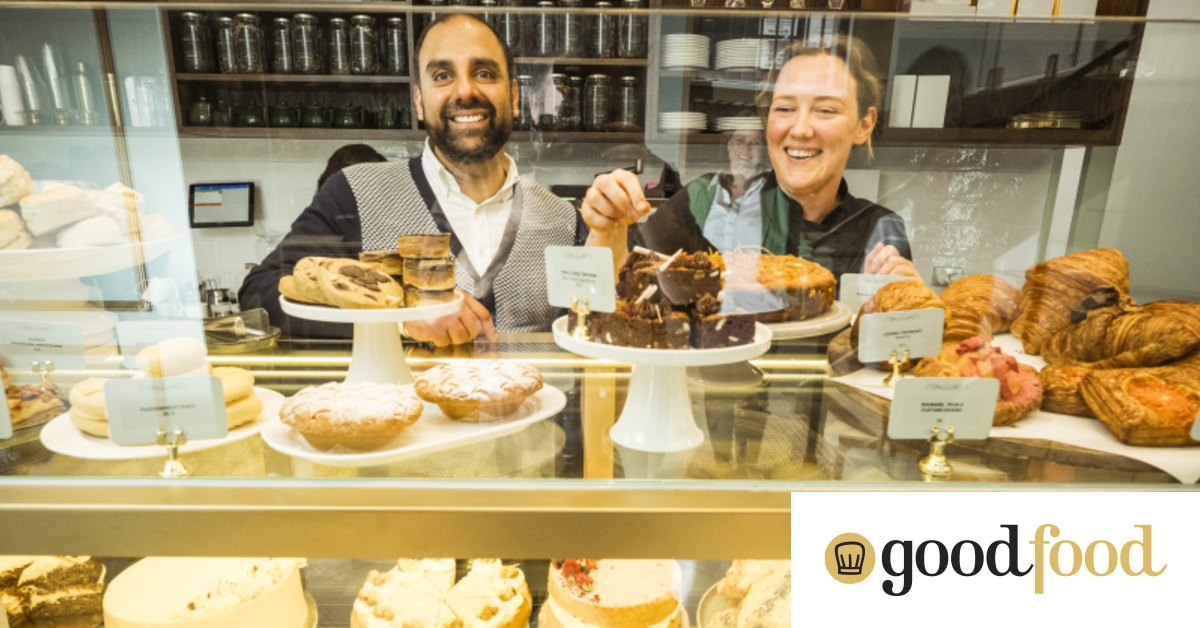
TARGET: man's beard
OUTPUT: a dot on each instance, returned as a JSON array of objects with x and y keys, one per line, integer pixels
[{"x": 452, "y": 143}]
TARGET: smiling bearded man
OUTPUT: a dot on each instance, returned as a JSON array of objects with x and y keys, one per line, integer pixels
[{"x": 463, "y": 184}]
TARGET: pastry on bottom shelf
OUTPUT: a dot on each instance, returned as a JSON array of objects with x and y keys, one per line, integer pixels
[
  {"x": 478, "y": 390},
  {"x": 423, "y": 593},
  {"x": 55, "y": 586},
  {"x": 358, "y": 416},
  {"x": 207, "y": 592},
  {"x": 760, "y": 592},
  {"x": 609, "y": 592},
  {"x": 30, "y": 403}
]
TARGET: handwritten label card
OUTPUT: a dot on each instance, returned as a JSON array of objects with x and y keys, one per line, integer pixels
[
  {"x": 585, "y": 272},
  {"x": 5, "y": 422},
  {"x": 967, "y": 403},
  {"x": 22, "y": 342},
  {"x": 135, "y": 335},
  {"x": 854, "y": 289},
  {"x": 920, "y": 331},
  {"x": 138, "y": 407}
]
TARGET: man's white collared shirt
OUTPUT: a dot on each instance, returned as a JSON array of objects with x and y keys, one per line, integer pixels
[{"x": 479, "y": 226}]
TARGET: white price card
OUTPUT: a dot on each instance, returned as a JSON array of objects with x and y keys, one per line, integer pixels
[
  {"x": 135, "y": 335},
  {"x": 138, "y": 407},
  {"x": 583, "y": 272},
  {"x": 855, "y": 288},
  {"x": 22, "y": 342},
  {"x": 5, "y": 428},
  {"x": 919, "y": 331},
  {"x": 967, "y": 403}
]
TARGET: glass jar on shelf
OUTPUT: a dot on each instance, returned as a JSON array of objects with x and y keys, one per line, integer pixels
[
  {"x": 595, "y": 103},
  {"x": 195, "y": 43},
  {"x": 629, "y": 105},
  {"x": 572, "y": 30},
  {"x": 307, "y": 52},
  {"x": 226, "y": 46},
  {"x": 603, "y": 42},
  {"x": 283, "y": 60},
  {"x": 524, "y": 121},
  {"x": 339, "y": 46},
  {"x": 544, "y": 40},
  {"x": 491, "y": 15},
  {"x": 395, "y": 61},
  {"x": 510, "y": 31},
  {"x": 560, "y": 105},
  {"x": 248, "y": 44},
  {"x": 364, "y": 45},
  {"x": 576, "y": 122},
  {"x": 631, "y": 31}
]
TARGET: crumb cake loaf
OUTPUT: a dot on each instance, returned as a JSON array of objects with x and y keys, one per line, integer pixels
[
  {"x": 423, "y": 593},
  {"x": 207, "y": 593},
  {"x": 613, "y": 594},
  {"x": 669, "y": 303}
]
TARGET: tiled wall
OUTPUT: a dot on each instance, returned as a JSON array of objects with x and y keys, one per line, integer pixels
[{"x": 977, "y": 210}]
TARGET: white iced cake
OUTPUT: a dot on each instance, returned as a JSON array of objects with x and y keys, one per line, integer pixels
[
  {"x": 613, "y": 594},
  {"x": 207, "y": 592},
  {"x": 423, "y": 593}
]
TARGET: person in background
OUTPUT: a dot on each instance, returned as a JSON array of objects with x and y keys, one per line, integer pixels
[
  {"x": 349, "y": 155},
  {"x": 729, "y": 204},
  {"x": 823, "y": 101},
  {"x": 463, "y": 183}
]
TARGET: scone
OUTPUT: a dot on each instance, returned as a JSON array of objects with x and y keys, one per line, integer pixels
[
  {"x": 351, "y": 284},
  {"x": 181, "y": 355},
  {"x": 478, "y": 390},
  {"x": 359, "y": 416},
  {"x": 15, "y": 182},
  {"x": 12, "y": 231}
]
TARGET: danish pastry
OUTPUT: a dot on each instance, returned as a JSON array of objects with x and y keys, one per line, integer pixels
[
  {"x": 1060, "y": 388},
  {"x": 1148, "y": 406}
]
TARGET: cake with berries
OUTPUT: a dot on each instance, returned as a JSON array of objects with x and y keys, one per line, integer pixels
[{"x": 613, "y": 594}]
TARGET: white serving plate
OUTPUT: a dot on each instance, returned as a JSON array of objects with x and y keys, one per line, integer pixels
[
  {"x": 835, "y": 319},
  {"x": 62, "y": 437},
  {"x": 433, "y": 432},
  {"x": 330, "y": 314},
  {"x": 72, "y": 263}
]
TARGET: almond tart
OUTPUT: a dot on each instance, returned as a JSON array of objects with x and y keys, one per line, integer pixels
[
  {"x": 359, "y": 416},
  {"x": 478, "y": 390}
]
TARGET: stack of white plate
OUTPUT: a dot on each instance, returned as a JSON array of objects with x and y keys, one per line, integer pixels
[
  {"x": 682, "y": 121},
  {"x": 747, "y": 52},
  {"x": 683, "y": 50},
  {"x": 739, "y": 123},
  {"x": 766, "y": 53}
]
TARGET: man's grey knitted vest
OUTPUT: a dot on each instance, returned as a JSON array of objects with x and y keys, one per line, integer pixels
[{"x": 395, "y": 199}]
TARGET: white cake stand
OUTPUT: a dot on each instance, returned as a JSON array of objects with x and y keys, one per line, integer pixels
[
  {"x": 378, "y": 353},
  {"x": 657, "y": 415}
]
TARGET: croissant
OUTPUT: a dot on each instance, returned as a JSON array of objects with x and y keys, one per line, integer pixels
[
  {"x": 1060, "y": 389},
  {"x": 1055, "y": 286},
  {"x": 1126, "y": 335},
  {"x": 1020, "y": 389},
  {"x": 982, "y": 302},
  {"x": 1146, "y": 406},
  {"x": 898, "y": 296}
]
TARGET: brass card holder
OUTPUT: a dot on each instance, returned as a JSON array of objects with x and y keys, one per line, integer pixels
[
  {"x": 897, "y": 363},
  {"x": 45, "y": 369},
  {"x": 935, "y": 467},
  {"x": 174, "y": 466},
  {"x": 580, "y": 308}
]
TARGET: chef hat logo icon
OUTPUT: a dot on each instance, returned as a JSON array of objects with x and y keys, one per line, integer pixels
[{"x": 849, "y": 558}]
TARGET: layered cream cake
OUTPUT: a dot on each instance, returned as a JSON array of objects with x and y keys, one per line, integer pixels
[
  {"x": 423, "y": 593},
  {"x": 207, "y": 592},
  {"x": 613, "y": 593},
  {"x": 48, "y": 587}
]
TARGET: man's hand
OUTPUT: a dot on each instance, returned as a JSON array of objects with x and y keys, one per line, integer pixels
[
  {"x": 472, "y": 321},
  {"x": 614, "y": 202},
  {"x": 886, "y": 260}
]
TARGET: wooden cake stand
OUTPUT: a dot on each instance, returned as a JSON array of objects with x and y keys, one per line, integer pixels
[
  {"x": 657, "y": 416},
  {"x": 378, "y": 352}
]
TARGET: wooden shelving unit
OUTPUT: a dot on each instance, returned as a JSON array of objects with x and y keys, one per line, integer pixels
[{"x": 300, "y": 79}]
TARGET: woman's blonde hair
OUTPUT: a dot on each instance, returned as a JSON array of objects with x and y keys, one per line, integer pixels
[{"x": 852, "y": 51}]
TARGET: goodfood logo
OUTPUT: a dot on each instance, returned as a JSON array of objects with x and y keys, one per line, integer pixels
[{"x": 850, "y": 558}]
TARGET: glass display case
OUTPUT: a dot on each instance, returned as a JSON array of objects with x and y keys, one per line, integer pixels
[{"x": 1003, "y": 144}]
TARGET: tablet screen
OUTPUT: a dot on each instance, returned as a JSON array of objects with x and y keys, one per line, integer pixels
[{"x": 221, "y": 204}]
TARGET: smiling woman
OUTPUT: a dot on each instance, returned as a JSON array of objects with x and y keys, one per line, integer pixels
[{"x": 822, "y": 101}]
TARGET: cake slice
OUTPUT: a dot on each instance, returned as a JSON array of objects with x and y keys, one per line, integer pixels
[
  {"x": 54, "y": 586},
  {"x": 608, "y": 592},
  {"x": 712, "y": 330},
  {"x": 11, "y": 568},
  {"x": 687, "y": 277}
]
